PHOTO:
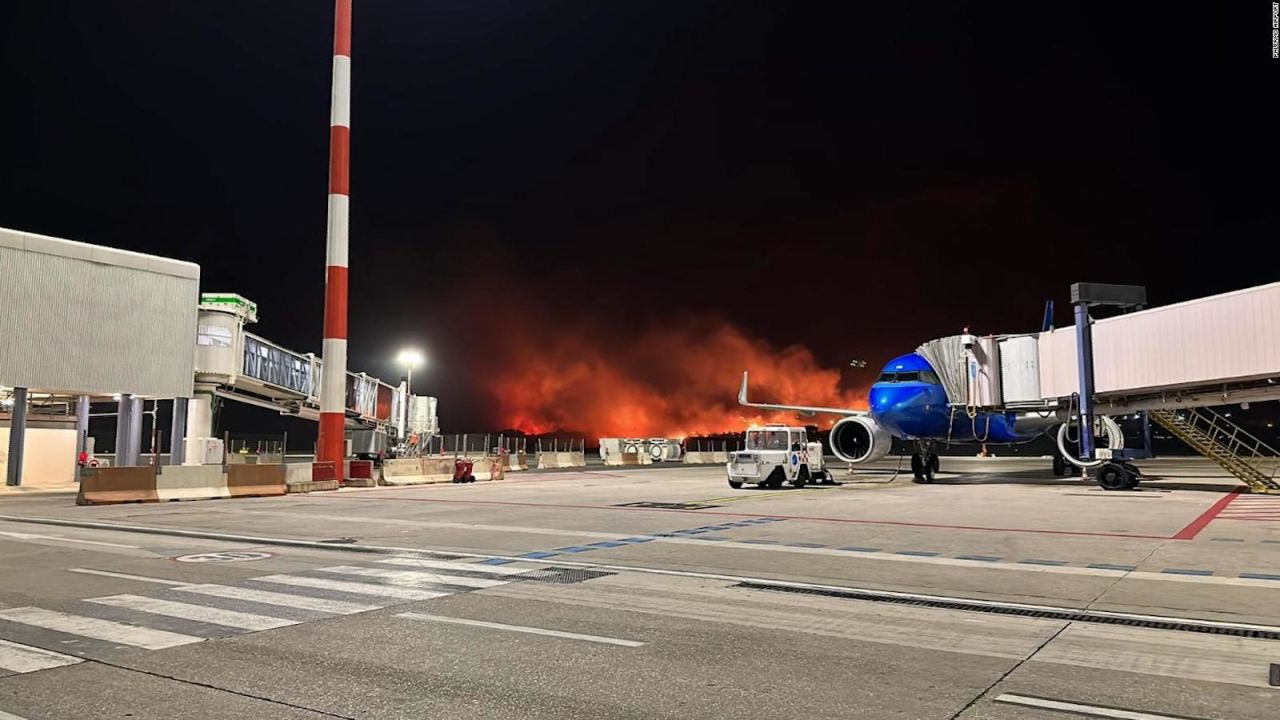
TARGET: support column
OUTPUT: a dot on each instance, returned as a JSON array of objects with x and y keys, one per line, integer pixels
[
  {"x": 199, "y": 422},
  {"x": 17, "y": 436},
  {"x": 135, "y": 430},
  {"x": 1084, "y": 357},
  {"x": 124, "y": 406},
  {"x": 82, "y": 429},
  {"x": 177, "y": 432},
  {"x": 330, "y": 445}
]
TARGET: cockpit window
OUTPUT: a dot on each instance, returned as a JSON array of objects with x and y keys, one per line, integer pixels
[{"x": 924, "y": 376}]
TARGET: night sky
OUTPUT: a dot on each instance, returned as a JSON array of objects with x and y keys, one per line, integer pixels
[{"x": 579, "y": 196}]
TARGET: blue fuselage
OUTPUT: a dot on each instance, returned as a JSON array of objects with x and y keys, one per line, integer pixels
[{"x": 909, "y": 401}]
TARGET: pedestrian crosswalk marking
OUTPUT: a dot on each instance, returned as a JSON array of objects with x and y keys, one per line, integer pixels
[
  {"x": 336, "y": 607},
  {"x": 453, "y": 565},
  {"x": 200, "y": 613},
  {"x": 19, "y": 658},
  {"x": 389, "y": 591},
  {"x": 411, "y": 579},
  {"x": 107, "y": 630},
  {"x": 414, "y": 577}
]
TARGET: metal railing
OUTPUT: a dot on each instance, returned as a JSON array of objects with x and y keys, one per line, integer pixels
[{"x": 1237, "y": 450}]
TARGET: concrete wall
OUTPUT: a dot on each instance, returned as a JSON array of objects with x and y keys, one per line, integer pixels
[{"x": 50, "y": 457}]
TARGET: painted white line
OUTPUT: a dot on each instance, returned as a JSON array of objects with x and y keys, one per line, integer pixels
[
  {"x": 337, "y": 607},
  {"x": 407, "y": 551},
  {"x": 7, "y": 716},
  {"x": 126, "y": 576},
  {"x": 520, "y": 628},
  {"x": 19, "y": 658},
  {"x": 389, "y": 591},
  {"x": 455, "y": 565},
  {"x": 59, "y": 538},
  {"x": 414, "y": 577},
  {"x": 97, "y": 629},
  {"x": 200, "y": 613},
  {"x": 1096, "y": 711}
]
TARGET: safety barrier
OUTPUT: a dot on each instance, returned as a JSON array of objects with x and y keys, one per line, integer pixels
[
  {"x": 632, "y": 458},
  {"x": 551, "y": 460},
  {"x": 191, "y": 482},
  {"x": 111, "y": 485},
  {"x": 360, "y": 473},
  {"x": 517, "y": 461},
  {"x": 693, "y": 457},
  {"x": 255, "y": 480},
  {"x": 309, "y": 477}
]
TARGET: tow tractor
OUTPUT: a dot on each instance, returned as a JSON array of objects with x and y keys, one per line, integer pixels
[{"x": 776, "y": 454}]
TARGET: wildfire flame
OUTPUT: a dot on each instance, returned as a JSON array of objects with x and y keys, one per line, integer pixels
[{"x": 666, "y": 381}]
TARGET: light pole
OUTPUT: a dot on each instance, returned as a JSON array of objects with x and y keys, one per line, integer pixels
[{"x": 410, "y": 359}]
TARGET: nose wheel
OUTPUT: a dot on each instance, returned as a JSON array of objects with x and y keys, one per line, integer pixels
[{"x": 924, "y": 463}]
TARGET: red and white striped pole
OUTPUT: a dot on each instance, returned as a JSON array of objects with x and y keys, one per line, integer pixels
[{"x": 331, "y": 445}]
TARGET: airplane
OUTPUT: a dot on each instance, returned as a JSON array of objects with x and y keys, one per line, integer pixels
[{"x": 908, "y": 401}]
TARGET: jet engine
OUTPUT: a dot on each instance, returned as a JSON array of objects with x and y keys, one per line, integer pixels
[{"x": 859, "y": 439}]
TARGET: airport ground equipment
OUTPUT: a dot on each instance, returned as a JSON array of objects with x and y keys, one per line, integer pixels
[
  {"x": 463, "y": 471},
  {"x": 1227, "y": 444},
  {"x": 776, "y": 454}
]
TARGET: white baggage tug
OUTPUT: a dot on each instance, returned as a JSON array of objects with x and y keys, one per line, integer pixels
[{"x": 776, "y": 454}]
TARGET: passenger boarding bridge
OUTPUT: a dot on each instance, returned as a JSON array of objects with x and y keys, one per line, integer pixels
[
  {"x": 235, "y": 364},
  {"x": 1173, "y": 363}
]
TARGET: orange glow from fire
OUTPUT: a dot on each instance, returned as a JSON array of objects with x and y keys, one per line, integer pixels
[{"x": 667, "y": 381}]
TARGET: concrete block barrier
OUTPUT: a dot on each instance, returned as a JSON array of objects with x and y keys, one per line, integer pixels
[
  {"x": 300, "y": 478},
  {"x": 720, "y": 456},
  {"x": 191, "y": 482},
  {"x": 517, "y": 461},
  {"x": 635, "y": 458},
  {"x": 111, "y": 485},
  {"x": 324, "y": 470},
  {"x": 360, "y": 473},
  {"x": 417, "y": 471},
  {"x": 256, "y": 480}
]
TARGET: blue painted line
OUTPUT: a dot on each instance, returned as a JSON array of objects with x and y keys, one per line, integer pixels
[
  {"x": 1109, "y": 566},
  {"x": 695, "y": 531},
  {"x": 574, "y": 549},
  {"x": 495, "y": 561},
  {"x": 806, "y": 545},
  {"x": 664, "y": 534},
  {"x": 539, "y": 555},
  {"x": 1043, "y": 562},
  {"x": 1259, "y": 576},
  {"x": 1183, "y": 571},
  {"x": 1226, "y": 539},
  {"x": 606, "y": 544},
  {"x": 983, "y": 558},
  {"x": 918, "y": 553},
  {"x": 1273, "y": 542},
  {"x": 854, "y": 548},
  {"x": 636, "y": 540},
  {"x": 712, "y": 538},
  {"x": 756, "y": 541}
]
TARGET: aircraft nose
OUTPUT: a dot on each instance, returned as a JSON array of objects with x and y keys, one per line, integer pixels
[{"x": 897, "y": 399}]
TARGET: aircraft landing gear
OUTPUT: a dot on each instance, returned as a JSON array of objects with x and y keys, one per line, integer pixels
[
  {"x": 924, "y": 463},
  {"x": 1059, "y": 465},
  {"x": 1118, "y": 476}
]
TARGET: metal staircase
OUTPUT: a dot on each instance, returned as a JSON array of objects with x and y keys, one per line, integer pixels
[{"x": 1246, "y": 457}]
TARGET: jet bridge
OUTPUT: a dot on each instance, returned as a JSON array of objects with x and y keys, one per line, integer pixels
[
  {"x": 1217, "y": 350},
  {"x": 235, "y": 364}
]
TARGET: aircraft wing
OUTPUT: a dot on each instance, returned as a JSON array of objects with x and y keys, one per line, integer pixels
[{"x": 802, "y": 409}]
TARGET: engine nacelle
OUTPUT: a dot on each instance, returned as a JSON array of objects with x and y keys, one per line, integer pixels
[{"x": 860, "y": 439}]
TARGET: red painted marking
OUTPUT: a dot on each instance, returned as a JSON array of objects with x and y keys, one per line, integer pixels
[
  {"x": 342, "y": 27},
  {"x": 899, "y": 523},
  {"x": 339, "y": 160},
  {"x": 1189, "y": 532},
  {"x": 331, "y": 445},
  {"x": 335, "y": 303}
]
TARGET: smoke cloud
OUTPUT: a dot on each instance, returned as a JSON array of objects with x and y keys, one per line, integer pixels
[{"x": 670, "y": 380}]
